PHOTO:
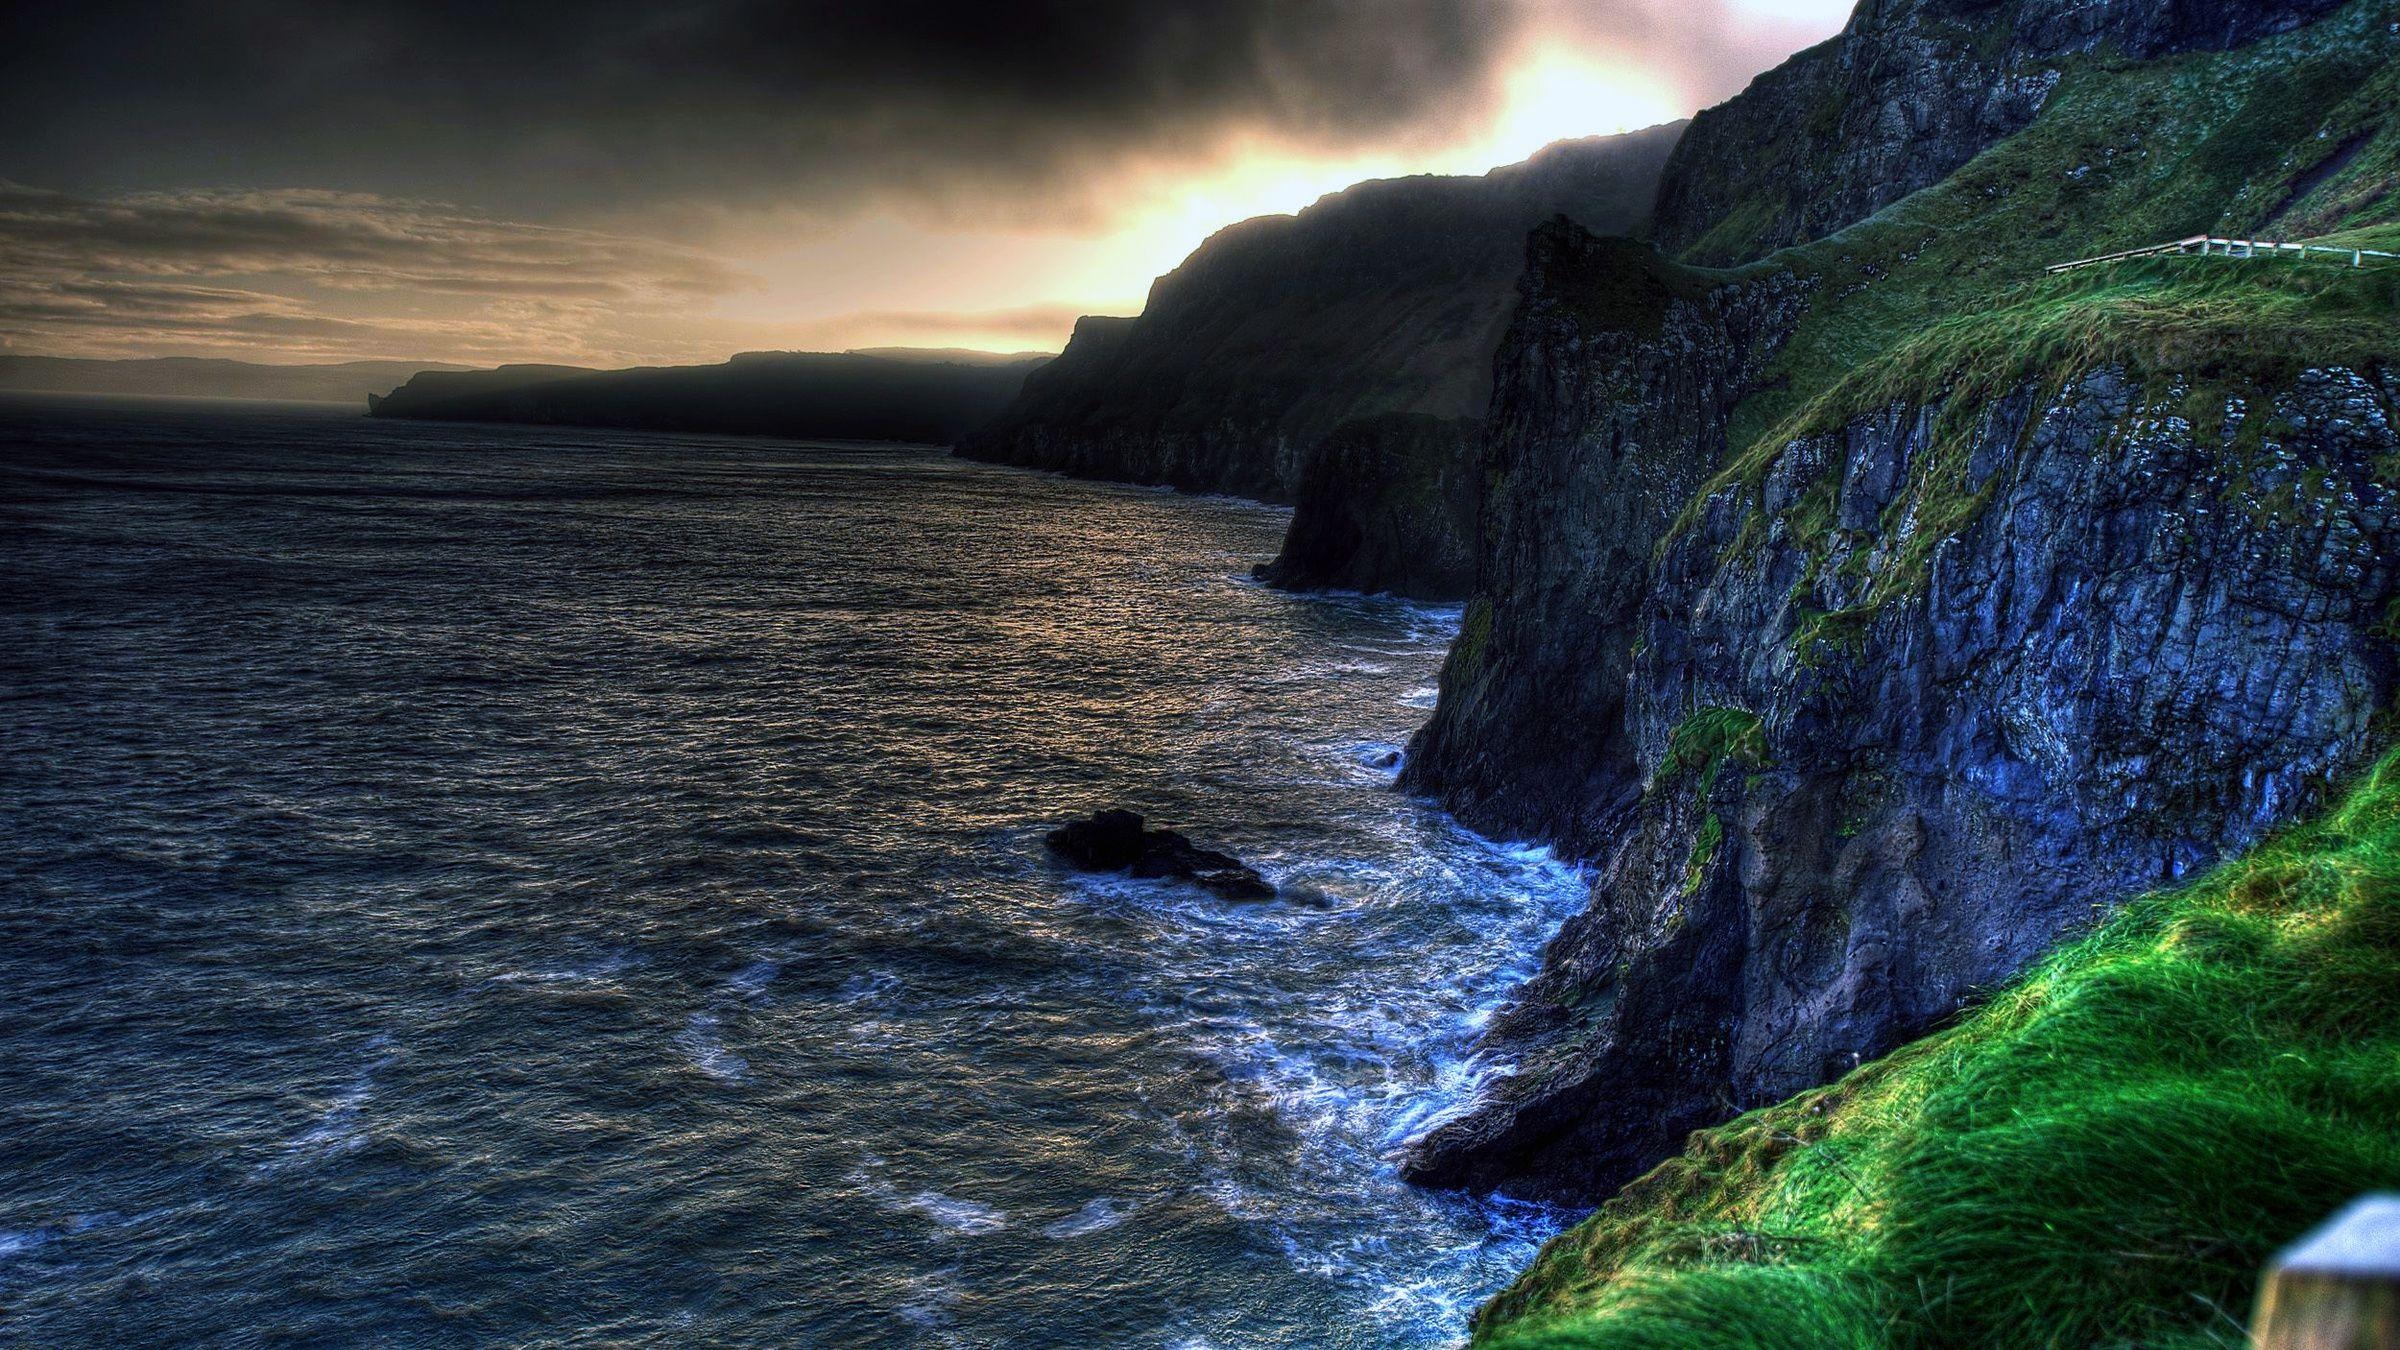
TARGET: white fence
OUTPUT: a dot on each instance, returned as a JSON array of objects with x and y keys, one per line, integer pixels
[{"x": 2209, "y": 245}]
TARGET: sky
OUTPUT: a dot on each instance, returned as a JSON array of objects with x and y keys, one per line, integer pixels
[{"x": 616, "y": 183}]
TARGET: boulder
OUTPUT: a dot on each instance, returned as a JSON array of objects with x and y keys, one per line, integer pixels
[{"x": 1117, "y": 841}]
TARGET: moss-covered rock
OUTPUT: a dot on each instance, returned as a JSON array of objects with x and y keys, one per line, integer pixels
[
  {"x": 2044, "y": 589},
  {"x": 2106, "y": 1154}
]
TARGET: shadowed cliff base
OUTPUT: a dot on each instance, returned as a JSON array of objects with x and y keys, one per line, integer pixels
[{"x": 1386, "y": 504}]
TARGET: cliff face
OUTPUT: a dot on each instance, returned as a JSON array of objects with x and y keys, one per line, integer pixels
[
  {"x": 806, "y": 394},
  {"x": 1615, "y": 387},
  {"x": 1878, "y": 613},
  {"x": 1908, "y": 93},
  {"x": 1837, "y": 819},
  {"x": 1389, "y": 298},
  {"x": 1386, "y": 504}
]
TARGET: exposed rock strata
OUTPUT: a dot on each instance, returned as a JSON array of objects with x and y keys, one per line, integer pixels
[
  {"x": 1614, "y": 392},
  {"x": 2154, "y": 641}
]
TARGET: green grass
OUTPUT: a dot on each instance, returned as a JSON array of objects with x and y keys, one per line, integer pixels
[
  {"x": 2104, "y": 1155},
  {"x": 1467, "y": 650},
  {"x": 1943, "y": 300},
  {"x": 1699, "y": 748},
  {"x": 2121, "y": 157},
  {"x": 2204, "y": 333},
  {"x": 1706, "y": 741}
]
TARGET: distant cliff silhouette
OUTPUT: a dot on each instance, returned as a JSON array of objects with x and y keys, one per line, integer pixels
[
  {"x": 897, "y": 396},
  {"x": 198, "y": 377},
  {"x": 1387, "y": 298}
]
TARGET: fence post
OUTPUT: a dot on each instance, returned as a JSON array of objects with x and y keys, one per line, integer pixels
[{"x": 2339, "y": 1287}]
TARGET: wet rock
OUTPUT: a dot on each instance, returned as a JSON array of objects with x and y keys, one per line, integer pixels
[{"x": 1118, "y": 841}]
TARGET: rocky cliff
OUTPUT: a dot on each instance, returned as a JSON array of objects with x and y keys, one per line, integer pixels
[
  {"x": 1389, "y": 298},
  {"x": 1859, "y": 781},
  {"x": 1387, "y": 504},
  {"x": 1620, "y": 374},
  {"x": 199, "y": 377},
  {"x": 1906, "y": 95},
  {"x": 1878, "y": 613}
]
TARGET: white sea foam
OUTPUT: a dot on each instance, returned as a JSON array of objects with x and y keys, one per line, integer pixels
[
  {"x": 602, "y": 971},
  {"x": 933, "y": 1294},
  {"x": 967, "y": 1218},
  {"x": 342, "y": 1127},
  {"x": 950, "y": 1214},
  {"x": 700, "y": 1044},
  {"x": 754, "y": 978},
  {"x": 872, "y": 987},
  {"x": 13, "y": 1245},
  {"x": 1096, "y": 1216}
]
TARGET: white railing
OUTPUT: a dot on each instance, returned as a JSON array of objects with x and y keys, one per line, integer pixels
[{"x": 2209, "y": 245}]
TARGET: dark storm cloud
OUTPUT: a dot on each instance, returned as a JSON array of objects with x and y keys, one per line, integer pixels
[
  {"x": 534, "y": 107},
  {"x": 264, "y": 175},
  {"x": 345, "y": 240},
  {"x": 281, "y": 266}
]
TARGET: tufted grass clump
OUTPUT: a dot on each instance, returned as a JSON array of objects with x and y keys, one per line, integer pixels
[
  {"x": 1711, "y": 738},
  {"x": 2105, "y": 1155}
]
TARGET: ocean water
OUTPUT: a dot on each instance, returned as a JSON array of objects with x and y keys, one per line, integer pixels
[{"x": 466, "y": 884}]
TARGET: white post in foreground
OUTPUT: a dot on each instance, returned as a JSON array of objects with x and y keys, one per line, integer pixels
[{"x": 2339, "y": 1287}]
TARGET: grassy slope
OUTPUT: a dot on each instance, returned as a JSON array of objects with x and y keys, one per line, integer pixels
[
  {"x": 1945, "y": 293},
  {"x": 2122, "y": 157},
  {"x": 2106, "y": 1154}
]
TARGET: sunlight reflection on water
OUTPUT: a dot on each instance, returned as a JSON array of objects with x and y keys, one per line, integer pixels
[{"x": 481, "y": 881}]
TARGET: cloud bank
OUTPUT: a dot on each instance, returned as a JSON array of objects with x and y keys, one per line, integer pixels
[
  {"x": 673, "y": 179},
  {"x": 303, "y": 273},
  {"x": 539, "y": 107}
]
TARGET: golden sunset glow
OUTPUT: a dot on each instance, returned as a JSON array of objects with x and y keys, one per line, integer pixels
[
  {"x": 953, "y": 206},
  {"x": 991, "y": 282},
  {"x": 1560, "y": 93}
]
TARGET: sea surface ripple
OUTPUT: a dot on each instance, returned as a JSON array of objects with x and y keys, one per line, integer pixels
[{"x": 471, "y": 884}]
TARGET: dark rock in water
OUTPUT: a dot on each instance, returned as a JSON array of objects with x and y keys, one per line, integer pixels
[
  {"x": 1116, "y": 841},
  {"x": 1386, "y": 504}
]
